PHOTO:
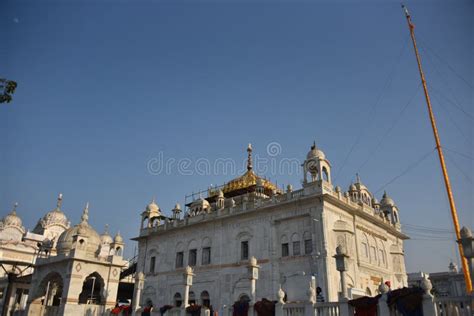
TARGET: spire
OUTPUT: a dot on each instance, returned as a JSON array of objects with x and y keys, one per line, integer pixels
[
  {"x": 106, "y": 229},
  {"x": 60, "y": 201},
  {"x": 249, "y": 158},
  {"x": 357, "y": 178},
  {"x": 13, "y": 212},
  {"x": 314, "y": 145},
  {"x": 85, "y": 214}
]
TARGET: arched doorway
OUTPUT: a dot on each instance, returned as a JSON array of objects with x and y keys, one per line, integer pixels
[
  {"x": 51, "y": 289},
  {"x": 205, "y": 299},
  {"x": 46, "y": 297},
  {"x": 92, "y": 290}
]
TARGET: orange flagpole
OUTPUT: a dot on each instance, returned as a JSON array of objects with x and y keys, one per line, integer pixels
[{"x": 452, "y": 205}]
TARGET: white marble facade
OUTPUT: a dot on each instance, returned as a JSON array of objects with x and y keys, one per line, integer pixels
[
  {"x": 292, "y": 234},
  {"x": 76, "y": 271}
]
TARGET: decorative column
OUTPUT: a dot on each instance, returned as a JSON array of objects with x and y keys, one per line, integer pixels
[
  {"x": 382, "y": 305},
  {"x": 253, "y": 276},
  {"x": 188, "y": 281},
  {"x": 341, "y": 266},
  {"x": 139, "y": 282},
  {"x": 280, "y": 303},
  {"x": 309, "y": 305},
  {"x": 467, "y": 242},
  {"x": 428, "y": 299}
]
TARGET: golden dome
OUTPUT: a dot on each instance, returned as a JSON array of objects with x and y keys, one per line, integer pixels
[{"x": 245, "y": 183}]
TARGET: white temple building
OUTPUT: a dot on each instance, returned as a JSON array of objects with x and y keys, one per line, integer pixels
[
  {"x": 293, "y": 235},
  {"x": 57, "y": 269}
]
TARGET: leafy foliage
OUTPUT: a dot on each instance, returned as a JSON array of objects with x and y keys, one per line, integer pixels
[{"x": 8, "y": 87}]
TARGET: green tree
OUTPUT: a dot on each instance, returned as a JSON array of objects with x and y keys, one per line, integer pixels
[{"x": 7, "y": 88}]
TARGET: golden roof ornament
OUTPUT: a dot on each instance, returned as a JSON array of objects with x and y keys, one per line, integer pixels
[
  {"x": 244, "y": 184},
  {"x": 249, "y": 158}
]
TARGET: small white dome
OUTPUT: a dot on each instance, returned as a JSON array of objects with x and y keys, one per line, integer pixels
[
  {"x": 118, "y": 239},
  {"x": 105, "y": 238},
  {"x": 152, "y": 207},
  {"x": 201, "y": 202},
  {"x": 386, "y": 200},
  {"x": 53, "y": 217},
  {"x": 65, "y": 241},
  {"x": 12, "y": 219},
  {"x": 315, "y": 153}
]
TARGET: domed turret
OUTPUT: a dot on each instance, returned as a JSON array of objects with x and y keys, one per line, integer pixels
[
  {"x": 81, "y": 236},
  {"x": 12, "y": 219},
  {"x": 387, "y": 205},
  {"x": 176, "y": 211},
  {"x": 54, "y": 217},
  {"x": 152, "y": 207},
  {"x": 152, "y": 215},
  {"x": 199, "y": 206},
  {"x": 11, "y": 226},
  {"x": 118, "y": 239},
  {"x": 316, "y": 165},
  {"x": 105, "y": 238},
  {"x": 386, "y": 200},
  {"x": 315, "y": 152}
]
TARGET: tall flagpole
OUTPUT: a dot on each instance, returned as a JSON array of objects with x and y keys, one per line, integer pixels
[{"x": 452, "y": 205}]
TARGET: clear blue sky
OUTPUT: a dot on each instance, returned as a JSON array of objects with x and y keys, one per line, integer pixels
[{"x": 104, "y": 86}]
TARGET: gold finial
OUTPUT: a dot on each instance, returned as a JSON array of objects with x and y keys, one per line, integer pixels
[
  {"x": 249, "y": 158},
  {"x": 60, "y": 200}
]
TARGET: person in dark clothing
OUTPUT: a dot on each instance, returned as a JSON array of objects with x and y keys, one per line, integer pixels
[{"x": 319, "y": 295}]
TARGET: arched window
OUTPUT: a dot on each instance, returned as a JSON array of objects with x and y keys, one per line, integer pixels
[
  {"x": 206, "y": 251},
  {"x": 192, "y": 253},
  {"x": 205, "y": 299},
  {"x": 325, "y": 174},
  {"x": 179, "y": 263},
  {"x": 285, "y": 247},
  {"x": 308, "y": 243},
  {"x": 92, "y": 289},
  {"x": 395, "y": 217},
  {"x": 365, "y": 247},
  {"x": 52, "y": 286},
  {"x": 295, "y": 244},
  {"x": 177, "y": 300}
]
